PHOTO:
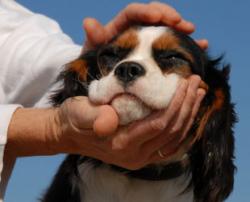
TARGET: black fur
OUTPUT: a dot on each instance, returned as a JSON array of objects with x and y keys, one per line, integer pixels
[
  {"x": 65, "y": 185},
  {"x": 211, "y": 156}
]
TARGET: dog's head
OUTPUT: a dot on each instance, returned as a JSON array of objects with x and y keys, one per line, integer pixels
[{"x": 138, "y": 71}]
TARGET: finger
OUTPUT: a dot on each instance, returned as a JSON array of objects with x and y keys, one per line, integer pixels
[
  {"x": 185, "y": 26},
  {"x": 169, "y": 114},
  {"x": 169, "y": 147},
  {"x": 75, "y": 109},
  {"x": 172, "y": 18},
  {"x": 132, "y": 14},
  {"x": 95, "y": 33},
  {"x": 177, "y": 101},
  {"x": 153, "y": 125},
  {"x": 153, "y": 13},
  {"x": 85, "y": 115},
  {"x": 200, "y": 96},
  {"x": 187, "y": 104},
  {"x": 106, "y": 121},
  {"x": 167, "y": 150},
  {"x": 203, "y": 43},
  {"x": 161, "y": 140},
  {"x": 169, "y": 16}
]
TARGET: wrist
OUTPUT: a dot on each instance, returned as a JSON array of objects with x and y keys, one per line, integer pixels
[
  {"x": 32, "y": 132},
  {"x": 52, "y": 131}
]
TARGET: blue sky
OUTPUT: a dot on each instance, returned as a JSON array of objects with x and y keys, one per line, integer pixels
[{"x": 224, "y": 23}]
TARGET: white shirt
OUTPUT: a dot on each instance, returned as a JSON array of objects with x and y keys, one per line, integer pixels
[{"x": 33, "y": 50}]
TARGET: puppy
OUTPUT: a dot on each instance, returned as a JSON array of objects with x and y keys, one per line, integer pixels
[{"x": 138, "y": 72}]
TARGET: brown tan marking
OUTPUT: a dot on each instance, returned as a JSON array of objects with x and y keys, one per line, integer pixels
[
  {"x": 128, "y": 39},
  {"x": 166, "y": 41},
  {"x": 184, "y": 71},
  {"x": 217, "y": 105},
  {"x": 170, "y": 42},
  {"x": 80, "y": 67}
]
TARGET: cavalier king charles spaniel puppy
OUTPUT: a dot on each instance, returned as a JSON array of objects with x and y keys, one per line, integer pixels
[{"x": 138, "y": 72}]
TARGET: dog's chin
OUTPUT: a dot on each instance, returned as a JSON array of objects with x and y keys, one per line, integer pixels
[{"x": 130, "y": 108}]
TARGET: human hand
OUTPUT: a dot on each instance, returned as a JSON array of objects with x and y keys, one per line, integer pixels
[
  {"x": 78, "y": 118},
  {"x": 138, "y": 145},
  {"x": 133, "y": 146},
  {"x": 154, "y": 13},
  {"x": 79, "y": 127}
]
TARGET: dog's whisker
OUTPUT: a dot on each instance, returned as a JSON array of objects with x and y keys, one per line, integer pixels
[
  {"x": 83, "y": 84},
  {"x": 98, "y": 76},
  {"x": 91, "y": 76}
]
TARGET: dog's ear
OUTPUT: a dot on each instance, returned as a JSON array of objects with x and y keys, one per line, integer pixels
[
  {"x": 76, "y": 77},
  {"x": 65, "y": 185},
  {"x": 212, "y": 155}
]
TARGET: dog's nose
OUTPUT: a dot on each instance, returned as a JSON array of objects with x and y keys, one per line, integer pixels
[{"x": 129, "y": 71}]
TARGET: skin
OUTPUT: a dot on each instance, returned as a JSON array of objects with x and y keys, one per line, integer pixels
[
  {"x": 79, "y": 127},
  {"x": 151, "y": 13}
]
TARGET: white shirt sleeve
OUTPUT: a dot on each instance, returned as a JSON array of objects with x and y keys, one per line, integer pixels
[{"x": 33, "y": 50}]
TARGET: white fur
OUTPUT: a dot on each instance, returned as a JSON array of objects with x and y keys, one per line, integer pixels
[
  {"x": 104, "y": 185},
  {"x": 130, "y": 109},
  {"x": 154, "y": 89}
]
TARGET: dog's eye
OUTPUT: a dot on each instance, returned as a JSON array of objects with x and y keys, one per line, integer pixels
[
  {"x": 109, "y": 56},
  {"x": 169, "y": 59}
]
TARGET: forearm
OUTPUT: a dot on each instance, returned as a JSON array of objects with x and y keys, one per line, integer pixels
[
  {"x": 66, "y": 129},
  {"x": 32, "y": 132}
]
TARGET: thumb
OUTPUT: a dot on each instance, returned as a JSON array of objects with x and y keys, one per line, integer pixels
[
  {"x": 83, "y": 114},
  {"x": 106, "y": 121},
  {"x": 95, "y": 33}
]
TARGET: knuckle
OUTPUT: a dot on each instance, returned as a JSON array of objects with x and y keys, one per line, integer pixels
[
  {"x": 192, "y": 96},
  {"x": 132, "y": 6},
  {"x": 160, "y": 5},
  {"x": 154, "y": 3},
  {"x": 158, "y": 124},
  {"x": 120, "y": 144},
  {"x": 196, "y": 78},
  {"x": 183, "y": 83},
  {"x": 201, "y": 93},
  {"x": 67, "y": 102},
  {"x": 177, "y": 104},
  {"x": 176, "y": 128}
]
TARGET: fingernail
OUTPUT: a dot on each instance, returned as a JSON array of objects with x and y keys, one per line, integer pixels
[
  {"x": 201, "y": 93},
  {"x": 191, "y": 25},
  {"x": 89, "y": 22},
  {"x": 158, "y": 125}
]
